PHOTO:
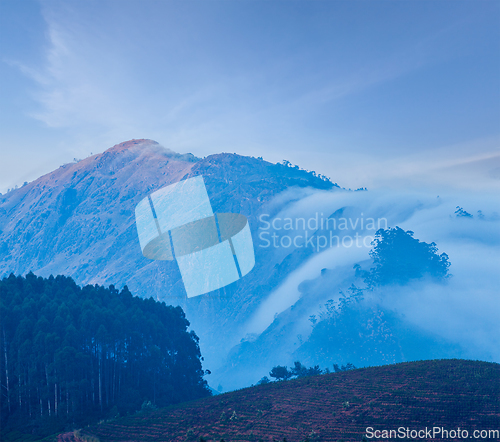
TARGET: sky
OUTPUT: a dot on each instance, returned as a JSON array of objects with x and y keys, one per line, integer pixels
[{"x": 377, "y": 93}]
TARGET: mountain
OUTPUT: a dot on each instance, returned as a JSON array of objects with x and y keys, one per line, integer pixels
[
  {"x": 446, "y": 394},
  {"x": 308, "y": 234},
  {"x": 79, "y": 221}
]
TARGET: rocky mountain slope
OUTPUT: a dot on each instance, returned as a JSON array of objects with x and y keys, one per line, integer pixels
[{"x": 79, "y": 221}]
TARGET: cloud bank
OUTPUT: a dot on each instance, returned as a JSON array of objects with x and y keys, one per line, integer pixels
[{"x": 464, "y": 310}]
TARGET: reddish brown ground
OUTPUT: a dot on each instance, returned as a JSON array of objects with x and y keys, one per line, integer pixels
[
  {"x": 447, "y": 394},
  {"x": 67, "y": 437}
]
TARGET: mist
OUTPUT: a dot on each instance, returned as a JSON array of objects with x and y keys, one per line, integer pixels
[{"x": 463, "y": 310}]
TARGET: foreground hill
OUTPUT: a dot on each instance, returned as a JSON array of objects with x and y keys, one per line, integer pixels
[{"x": 450, "y": 394}]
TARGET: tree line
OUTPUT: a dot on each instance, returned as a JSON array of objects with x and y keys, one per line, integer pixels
[
  {"x": 71, "y": 355},
  {"x": 283, "y": 373}
]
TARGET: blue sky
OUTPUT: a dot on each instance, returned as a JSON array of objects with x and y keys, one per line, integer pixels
[{"x": 371, "y": 93}]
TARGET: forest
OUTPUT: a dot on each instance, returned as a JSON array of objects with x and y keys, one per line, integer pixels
[{"x": 71, "y": 355}]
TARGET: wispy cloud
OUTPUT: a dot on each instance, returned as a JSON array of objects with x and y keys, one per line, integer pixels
[{"x": 205, "y": 82}]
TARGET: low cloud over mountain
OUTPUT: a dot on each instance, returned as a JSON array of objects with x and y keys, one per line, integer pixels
[{"x": 79, "y": 221}]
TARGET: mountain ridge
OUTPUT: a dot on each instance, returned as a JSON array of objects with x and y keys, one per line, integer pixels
[
  {"x": 79, "y": 221},
  {"x": 72, "y": 184}
]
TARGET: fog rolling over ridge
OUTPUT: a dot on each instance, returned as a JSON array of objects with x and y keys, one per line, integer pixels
[
  {"x": 471, "y": 243},
  {"x": 459, "y": 316},
  {"x": 79, "y": 221}
]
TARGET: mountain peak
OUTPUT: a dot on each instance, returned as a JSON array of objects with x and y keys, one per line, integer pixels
[
  {"x": 143, "y": 142},
  {"x": 145, "y": 145}
]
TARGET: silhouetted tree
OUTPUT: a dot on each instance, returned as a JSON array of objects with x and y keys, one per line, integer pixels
[
  {"x": 462, "y": 213},
  {"x": 399, "y": 258},
  {"x": 280, "y": 373},
  {"x": 301, "y": 371},
  {"x": 346, "y": 367}
]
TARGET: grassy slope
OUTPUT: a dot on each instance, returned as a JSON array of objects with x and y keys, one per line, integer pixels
[{"x": 445, "y": 393}]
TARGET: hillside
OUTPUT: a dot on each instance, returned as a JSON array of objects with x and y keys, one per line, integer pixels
[
  {"x": 332, "y": 407},
  {"x": 79, "y": 221}
]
